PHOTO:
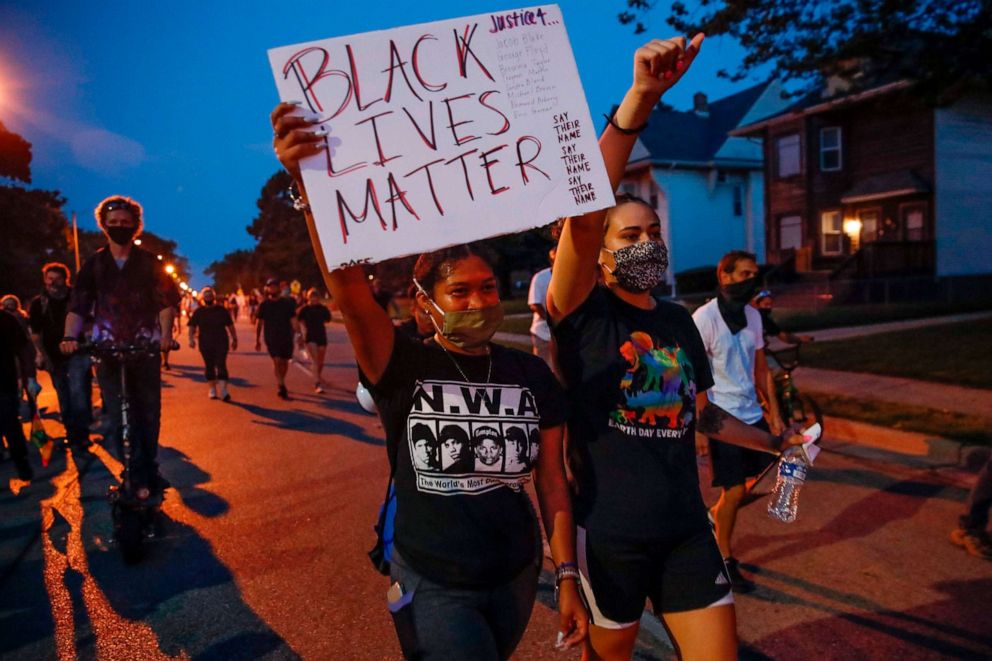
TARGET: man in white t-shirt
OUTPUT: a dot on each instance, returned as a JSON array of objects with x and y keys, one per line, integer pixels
[
  {"x": 732, "y": 335},
  {"x": 540, "y": 334}
]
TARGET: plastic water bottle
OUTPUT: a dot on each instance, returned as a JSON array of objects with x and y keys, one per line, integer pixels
[{"x": 784, "y": 503}]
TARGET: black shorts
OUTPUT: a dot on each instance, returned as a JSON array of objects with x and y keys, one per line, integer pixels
[
  {"x": 280, "y": 348},
  {"x": 618, "y": 575},
  {"x": 732, "y": 464}
]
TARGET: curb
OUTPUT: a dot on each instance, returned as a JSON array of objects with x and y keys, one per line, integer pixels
[{"x": 908, "y": 448}]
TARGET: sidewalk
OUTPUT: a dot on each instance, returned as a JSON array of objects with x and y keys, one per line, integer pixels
[
  {"x": 896, "y": 390},
  {"x": 847, "y": 332}
]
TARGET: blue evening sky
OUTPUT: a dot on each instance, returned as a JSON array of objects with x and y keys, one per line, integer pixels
[{"x": 168, "y": 102}]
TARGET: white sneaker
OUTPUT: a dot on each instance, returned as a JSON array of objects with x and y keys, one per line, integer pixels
[{"x": 212, "y": 394}]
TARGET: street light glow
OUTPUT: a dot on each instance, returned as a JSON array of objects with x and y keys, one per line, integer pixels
[
  {"x": 170, "y": 269},
  {"x": 137, "y": 242}
]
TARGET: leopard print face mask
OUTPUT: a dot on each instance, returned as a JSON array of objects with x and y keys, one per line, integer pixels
[{"x": 640, "y": 267}]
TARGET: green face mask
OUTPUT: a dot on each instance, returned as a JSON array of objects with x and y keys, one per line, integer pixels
[{"x": 467, "y": 329}]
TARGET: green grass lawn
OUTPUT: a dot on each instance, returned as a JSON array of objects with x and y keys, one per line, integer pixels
[
  {"x": 945, "y": 424},
  {"x": 960, "y": 354},
  {"x": 833, "y": 316}
]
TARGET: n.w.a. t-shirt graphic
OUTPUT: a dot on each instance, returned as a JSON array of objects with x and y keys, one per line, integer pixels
[
  {"x": 469, "y": 438},
  {"x": 658, "y": 390}
]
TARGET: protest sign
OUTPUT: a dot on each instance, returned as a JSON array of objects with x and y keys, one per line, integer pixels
[{"x": 443, "y": 133}]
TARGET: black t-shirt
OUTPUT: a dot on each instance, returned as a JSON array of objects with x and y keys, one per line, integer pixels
[
  {"x": 277, "y": 314},
  {"x": 12, "y": 343},
  {"x": 46, "y": 316},
  {"x": 769, "y": 327},
  {"x": 314, "y": 317},
  {"x": 632, "y": 378},
  {"x": 125, "y": 301},
  {"x": 212, "y": 320},
  {"x": 464, "y": 449}
]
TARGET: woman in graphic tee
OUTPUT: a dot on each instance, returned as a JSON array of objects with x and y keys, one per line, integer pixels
[
  {"x": 467, "y": 549},
  {"x": 636, "y": 373}
]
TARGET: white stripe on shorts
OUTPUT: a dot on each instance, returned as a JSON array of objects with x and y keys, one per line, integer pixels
[{"x": 598, "y": 619}]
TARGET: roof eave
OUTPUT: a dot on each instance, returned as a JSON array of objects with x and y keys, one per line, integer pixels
[{"x": 757, "y": 127}]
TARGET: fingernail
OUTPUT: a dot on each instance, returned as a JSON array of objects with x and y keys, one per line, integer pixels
[
  {"x": 320, "y": 132},
  {"x": 295, "y": 103},
  {"x": 313, "y": 119}
]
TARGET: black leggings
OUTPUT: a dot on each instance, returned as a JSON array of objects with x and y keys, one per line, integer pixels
[{"x": 215, "y": 360}]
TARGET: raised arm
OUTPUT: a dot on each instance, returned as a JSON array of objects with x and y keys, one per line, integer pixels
[
  {"x": 369, "y": 327},
  {"x": 658, "y": 65}
]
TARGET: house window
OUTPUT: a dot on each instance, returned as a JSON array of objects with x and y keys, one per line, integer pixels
[
  {"x": 738, "y": 200},
  {"x": 913, "y": 220},
  {"x": 830, "y": 149},
  {"x": 831, "y": 233},
  {"x": 790, "y": 233},
  {"x": 789, "y": 162},
  {"x": 869, "y": 225}
]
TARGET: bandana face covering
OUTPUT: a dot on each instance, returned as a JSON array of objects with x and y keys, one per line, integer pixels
[
  {"x": 731, "y": 302},
  {"x": 467, "y": 329},
  {"x": 640, "y": 267}
]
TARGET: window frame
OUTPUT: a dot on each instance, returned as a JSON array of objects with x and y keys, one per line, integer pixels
[
  {"x": 839, "y": 149},
  {"x": 778, "y": 155},
  {"x": 839, "y": 232},
  {"x": 799, "y": 224}
]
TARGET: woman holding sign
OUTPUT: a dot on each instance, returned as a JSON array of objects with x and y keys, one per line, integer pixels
[
  {"x": 637, "y": 373},
  {"x": 467, "y": 549}
]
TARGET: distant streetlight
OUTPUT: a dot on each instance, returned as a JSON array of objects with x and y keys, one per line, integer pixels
[
  {"x": 183, "y": 286},
  {"x": 159, "y": 257},
  {"x": 170, "y": 269},
  {"x": 137, "y": 242}
]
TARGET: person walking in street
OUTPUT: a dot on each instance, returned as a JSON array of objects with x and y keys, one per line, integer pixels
[
  {"x": 637, "y": 374},
  {"x": 72, "y": 375},
  {"x": 11, "y": 304},
  {"x": 12, "y": 370},
  {"x": 466, "y": 554},
  {"x": 537, "y": 296},
  {"x": 131, "y": 300},
  {"x": 276, "y": 320},
  {"x": 313, "y": 316},
  {"x": 732, "y": 334},
  {"x": 211, "y": 324},
  {"x": 972, "y": 532}
]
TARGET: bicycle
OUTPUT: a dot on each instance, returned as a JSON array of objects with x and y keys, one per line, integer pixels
[
  {"x": 134, "y": 518},
  {"x": 794, "y": 406}
]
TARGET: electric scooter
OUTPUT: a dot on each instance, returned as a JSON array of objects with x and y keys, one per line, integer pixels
[{"x": 134, "y": 518}]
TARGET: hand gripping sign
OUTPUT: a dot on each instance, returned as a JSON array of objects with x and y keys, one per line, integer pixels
[{"x": 443, "y": 133}]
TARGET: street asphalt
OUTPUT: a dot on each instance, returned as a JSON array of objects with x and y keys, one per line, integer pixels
[{"x": 265, "y": 534}]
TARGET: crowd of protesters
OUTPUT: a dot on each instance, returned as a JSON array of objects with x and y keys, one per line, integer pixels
[{"x": 631, "y": 527}]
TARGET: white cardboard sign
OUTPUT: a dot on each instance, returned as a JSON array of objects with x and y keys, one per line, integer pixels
[{"x": 443, "y": 133}]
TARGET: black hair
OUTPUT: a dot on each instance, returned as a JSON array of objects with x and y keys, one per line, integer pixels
[
  {"x": 438, "y": 265},
  {"x": 626, "y": 198},
  {"x": 56, "y": 266}
]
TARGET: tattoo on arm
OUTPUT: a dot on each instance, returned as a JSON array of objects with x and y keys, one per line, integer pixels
[{"x": 711, "y": 419}]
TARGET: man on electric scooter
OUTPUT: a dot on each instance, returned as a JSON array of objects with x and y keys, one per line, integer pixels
[{"x": 131, "y": 300}]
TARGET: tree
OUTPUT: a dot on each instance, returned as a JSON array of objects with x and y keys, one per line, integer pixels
[
  {"x": 34, "y": 232},
  {"x": 936, "y": 42},
  {"x": 15, "y": 156},
  {"x": 235, "y": 269}
]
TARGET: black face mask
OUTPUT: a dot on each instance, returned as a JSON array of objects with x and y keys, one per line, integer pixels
[
  {"x": 208, "y": 300},
  {"x": 740, "y": 292},
  {"x": 121, "y": 235},
  {"x": 57, "y": 292},
  {"x": 732, "y": 300}
]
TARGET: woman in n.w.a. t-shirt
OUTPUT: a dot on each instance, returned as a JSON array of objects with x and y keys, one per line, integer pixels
[
  {"x": 466, "y": 550},
  {"x": 636, "y": 373}
]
